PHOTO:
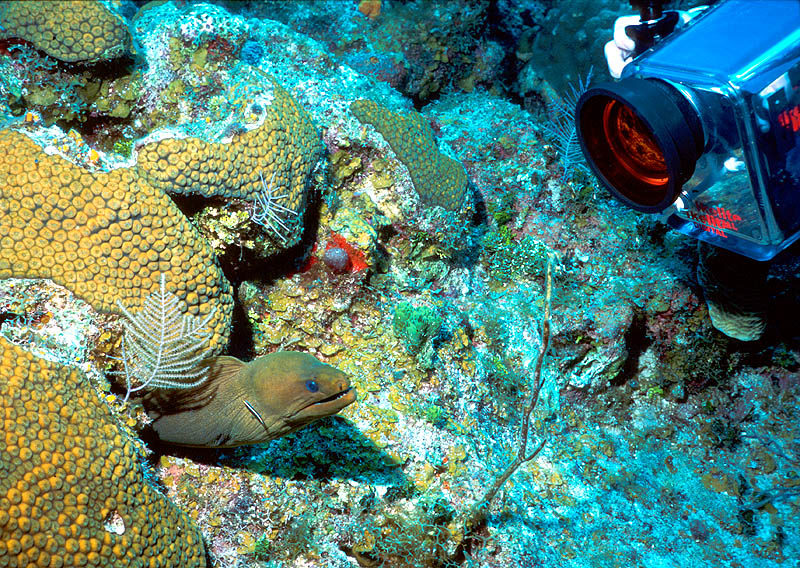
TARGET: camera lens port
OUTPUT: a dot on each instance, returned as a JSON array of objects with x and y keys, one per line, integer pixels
[{"x": 641, "y": 138}]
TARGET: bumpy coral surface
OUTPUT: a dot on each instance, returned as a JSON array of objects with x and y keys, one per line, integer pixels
[
  {"x": 75, "y": 31},
  {"x": 438, "y": 179},
  {"x": 72, "y": 491},
  {"x": 104, "y": 236},
  {"x": 274, "y": 160}
]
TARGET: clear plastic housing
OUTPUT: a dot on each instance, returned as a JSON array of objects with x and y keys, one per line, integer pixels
[{"x": 739, "y": 65}]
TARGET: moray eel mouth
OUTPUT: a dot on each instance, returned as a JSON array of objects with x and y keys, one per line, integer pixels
[
  {"x": 330, "y": 404},
  {"x": 338, "y": 395}
]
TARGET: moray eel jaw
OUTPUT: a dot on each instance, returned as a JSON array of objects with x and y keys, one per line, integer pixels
[{"x": 291, "y": 389}]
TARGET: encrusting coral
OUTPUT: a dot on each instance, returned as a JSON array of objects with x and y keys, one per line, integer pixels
[
  {"x": 78, "y": 31},
  {"x": 438, "y": 179},
  {"x": 72, "y": 490},
  {"x": 105, "y": 236}
]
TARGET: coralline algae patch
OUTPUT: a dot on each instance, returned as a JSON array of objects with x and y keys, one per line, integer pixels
[
  {"x": 225, "y": 501},
  {"x": 70, "y": 65},
  {"x": 191, "y": 52},
  {"x": 253, "y": 518},
  {"x": 310, "y": 311},
  {"x": 47, "y": 320}
]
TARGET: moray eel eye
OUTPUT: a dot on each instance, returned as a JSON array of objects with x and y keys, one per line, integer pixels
[{"x": 312, "y": 385}]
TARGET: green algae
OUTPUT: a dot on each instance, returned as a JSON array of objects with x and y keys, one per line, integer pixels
[{"x": 417, "y": 327}]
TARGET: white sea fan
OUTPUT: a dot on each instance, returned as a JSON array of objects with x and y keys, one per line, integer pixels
[{"x": 162, "y": 346}]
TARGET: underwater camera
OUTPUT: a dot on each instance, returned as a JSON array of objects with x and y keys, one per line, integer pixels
[{"x": 703, "y": 129}]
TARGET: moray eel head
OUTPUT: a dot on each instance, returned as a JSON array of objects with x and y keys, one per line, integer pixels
[{"x": 300, "y": 389}]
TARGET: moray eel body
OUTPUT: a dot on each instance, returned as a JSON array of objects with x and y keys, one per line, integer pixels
[{"x": 249, "y": 403}]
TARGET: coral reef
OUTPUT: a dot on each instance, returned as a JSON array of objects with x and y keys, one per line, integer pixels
[
  {"x": 652, "y": 432},
  {"x": 46, "y": 319},
  {"x": 73, "y": 490},
  {"x": 421, "y": 49},
  {"x": 106, "y": 236},
  {"x": 193, "y": 54},
  {"x": 95, "y": 96},
  {"x": 83, "y": 31}
]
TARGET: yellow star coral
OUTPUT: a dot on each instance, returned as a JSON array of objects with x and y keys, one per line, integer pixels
[
  {"x": 75, "y": 31},
  {"x": 283, "y": 151},
  {"x": 438, "y": 179},
  {"x": 104, "y": 236},
  {"x": 72, "y": 492}
]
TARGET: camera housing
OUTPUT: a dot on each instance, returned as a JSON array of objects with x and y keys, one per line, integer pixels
[{"x": 703, "y": 129}]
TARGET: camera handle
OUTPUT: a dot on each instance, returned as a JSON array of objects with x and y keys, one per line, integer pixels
[{"x": 654, "y": 24}]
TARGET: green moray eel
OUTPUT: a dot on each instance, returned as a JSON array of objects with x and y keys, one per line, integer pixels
[{"x": 249, "y": 403}]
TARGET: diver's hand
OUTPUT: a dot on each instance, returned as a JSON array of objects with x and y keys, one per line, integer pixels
[{"x": 619, "y": 51}]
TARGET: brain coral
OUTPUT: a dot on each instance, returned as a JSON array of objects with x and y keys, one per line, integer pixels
[
  {"x": 282, "y": 152},
  {"x": 438, "y": 179},
  {"x": 104, "y": 236},
  {"x": 72, "y": 492},
  {"x": 735, "y": 291},
  {"x": 75, "y": 31}
]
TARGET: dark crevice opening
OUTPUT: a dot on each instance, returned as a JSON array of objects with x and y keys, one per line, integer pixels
[{"x": 637, "y": 341}]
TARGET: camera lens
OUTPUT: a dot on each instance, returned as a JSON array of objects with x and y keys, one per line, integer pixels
[
  {"x": 641, "y": 138},
  {"x": 633, "y": 145}
]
